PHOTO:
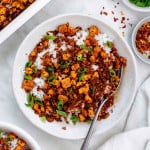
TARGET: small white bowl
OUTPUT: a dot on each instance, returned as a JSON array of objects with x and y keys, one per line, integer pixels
[
  {"x": 125, "y": 95},
  {"x": 136, "y": 8},
  {"x": 7, "y": 127},
  {"x": 141, "y": 56}
]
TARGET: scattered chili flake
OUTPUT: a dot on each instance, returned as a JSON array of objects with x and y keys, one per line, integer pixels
[
  {"x": 123, "y": 27},
  {"x": 123, "y": 19},
  {"x": 115, "y": 19},
  {"x": 64, "y": 128},
  {"x": 113, "y": 12},
  {"x": 130, "y": 24},
  {"x": 105, "y": 13}
]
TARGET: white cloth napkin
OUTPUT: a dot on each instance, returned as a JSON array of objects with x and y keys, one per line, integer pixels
[{"x": 139, "y": 116}]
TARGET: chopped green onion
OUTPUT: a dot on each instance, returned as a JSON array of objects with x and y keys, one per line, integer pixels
[
  {"x": 35, "y": 70},
  {"x": 38, "y": 101},
  {"x": 52, "y": 76},
  {"x": 80, "y": 57},
  {"x": 60, "y": 104},
  {"x": 62, "y": 113},
  {"x": 82, "y": 70},
  {"x": 81, "y": 76},
  {"x": 89, "y": 121},
  {"x": 112, "y": 72},
  {"x": 10, "y": 138},
  {"x": 85, "y": 47},
  {"x": 51, "y": 69},
  {"x": 74, "y": 119},
  {"x": 63, "y": 66},
  {"x": 93, "y": 90},
  {"x": 32, "y": 99},
  {"x": 43, "y": 119},
  {"x": 109, "y": 44},
  {"x": 28, "y": 64},
  {"x": 8, "y": 142},
  {"x": 30, "y": 102},
  {"x": 1, "y": 134},
  {"x": 50, "y": 37},
  {"x": 82, "y": 73},
  {"x": 51, "y": 83},
  {"x": 70, "y": 90},
  {"x": 27, "y": 77}
]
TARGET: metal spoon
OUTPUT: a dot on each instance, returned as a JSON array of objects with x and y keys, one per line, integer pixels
[{"x": 102, "y": 102}]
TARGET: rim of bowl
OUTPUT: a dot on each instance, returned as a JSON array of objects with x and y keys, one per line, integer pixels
[
  {"x": 8, "y": 127},
  {"x": 134, "y": 33},
  {"x": 135, "y": 75},
  {"x": 136, "y": 8}
]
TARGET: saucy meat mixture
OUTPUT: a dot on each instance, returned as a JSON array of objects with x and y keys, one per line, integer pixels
[
  {"x": 10, "y": 9},
  {"x": 10, "y": 141},
  {"x": 143, "y": 39},
  {"x": 68, "y": 72}
]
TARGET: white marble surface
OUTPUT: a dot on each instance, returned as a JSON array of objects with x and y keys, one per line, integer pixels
[{"x": 10, "y": 112}]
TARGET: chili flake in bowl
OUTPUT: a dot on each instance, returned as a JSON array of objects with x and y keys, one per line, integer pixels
[
  {"x": 63, "y": 68},
  {"x": 141, "y": 40}
]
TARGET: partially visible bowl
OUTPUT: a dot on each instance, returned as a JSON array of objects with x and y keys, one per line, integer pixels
[
  {"x": 21, "y": 19},
  {"x": 139, "y": 55},
  {"x": 136, "y": 8},
  {"x": 7, "y": 127},
  {"x": 125, "y": 95}
]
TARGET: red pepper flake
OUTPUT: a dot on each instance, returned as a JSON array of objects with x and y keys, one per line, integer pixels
[
  {"x": 112, "y": 12},
  {"x": 105, "y": 13},
  {"x": 101, "y": 12},
  {"x": 123, "y": 27},
  {"x": 123, "y": 19},
  {"x": 130, "y": 24},
  {"x": 118, "y": 3},
  {"x": 115, "y": 6},
  {"x": 64, "y": 128},
  {"x": 115, "y": 19}
]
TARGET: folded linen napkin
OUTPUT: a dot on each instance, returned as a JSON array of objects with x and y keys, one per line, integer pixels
[{"x": 139, "y": 116}]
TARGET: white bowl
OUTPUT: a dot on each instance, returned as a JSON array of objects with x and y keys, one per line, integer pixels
[
  {"x": 21, "y": 19},
  {"x": 136, "y": 8},
  {"x": 141, "y": 56},
  {"x": 21, "y": 134},
  {"x": 126, "y": 93}
]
